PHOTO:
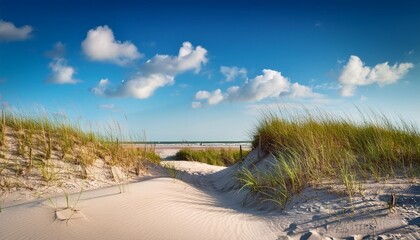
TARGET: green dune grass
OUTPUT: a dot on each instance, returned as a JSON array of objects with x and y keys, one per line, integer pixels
[
  {"x": 212, "y": 156},
  {"x": 311, "y": 148}
]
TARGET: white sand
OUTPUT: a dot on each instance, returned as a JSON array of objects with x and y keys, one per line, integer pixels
[
  {"x": 160, "y": 208},
  {"x": 204, "y": 204}
]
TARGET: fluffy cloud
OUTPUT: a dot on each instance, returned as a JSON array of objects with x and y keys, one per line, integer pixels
[
  {"x": 61, "y": 72},
  {"x": 143, "y": 86},
  {"x": 212, "y": 98},
  {"x": 101, "y": 88},
  {"x": 100, "y": 45},
  {"x": 157, "y": 72},
  {"x": 232, "y": 72},
  {"x": 189, "y": 58},
  {"x": 301, "y": 91},
  {"x": 270, "y": 84},
  {"x": 355, "y": 74},
  {"x": 9, "y": 32}
]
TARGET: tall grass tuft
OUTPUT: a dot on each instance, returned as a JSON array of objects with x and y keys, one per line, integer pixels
[
  {"x": 311, "y": 147},
  {"x": 3, "y": 129},
  {"x": 172, "y": 170}
]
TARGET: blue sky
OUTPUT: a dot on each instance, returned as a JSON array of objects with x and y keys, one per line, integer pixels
[{"x": 203, "y": 70}]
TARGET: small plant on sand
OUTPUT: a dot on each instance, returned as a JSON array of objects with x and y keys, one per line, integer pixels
[
  {"x": 1, "y": 209},
  {"x": 75, "y": 203},
  {"x": 248, "y": 180},
  {"x": 291, "y": 170},
  {"x": 122, "y": 187},
  {"x": 349, "y": 181},
  {"x": 173, "y": 172},
  {"x": 53, "y": 203},
  {"x": 72, "y": 208},
  {"x": 267, "y": 186},
  {"x": 66, "y": 195}
]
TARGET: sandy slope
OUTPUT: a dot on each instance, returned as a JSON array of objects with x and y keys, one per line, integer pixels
[
  {"x": 197, "y": 207},
  {"x": 160, "y": 208},
  {"x": 320, "y": 212}
]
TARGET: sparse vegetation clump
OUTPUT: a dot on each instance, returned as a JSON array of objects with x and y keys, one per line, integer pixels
[
  {"x": 311, "y": 148},
  {"x": 212, "y": 156},
  {"x": 172, "y": 171},
  {"x": 49, "y": 148}
]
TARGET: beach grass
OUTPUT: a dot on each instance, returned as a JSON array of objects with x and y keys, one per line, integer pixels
[
  {"x": 171, "y": 169},
  {"x": 212, "y": 156},
  {"x": 310, "y": 148},
  {"x": 40, "y": 141}
]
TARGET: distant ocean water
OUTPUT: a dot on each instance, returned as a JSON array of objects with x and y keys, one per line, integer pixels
[{"x": 196, "y": 143}]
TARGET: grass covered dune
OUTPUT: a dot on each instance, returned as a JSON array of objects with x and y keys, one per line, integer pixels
[
  {"x": 39, "y": 153},
  {"x": 311, "y": 148}
]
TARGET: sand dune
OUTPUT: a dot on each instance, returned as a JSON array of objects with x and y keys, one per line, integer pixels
[
  {"x": 160, "y": 208},
  {"x": 204, "y": 204}
]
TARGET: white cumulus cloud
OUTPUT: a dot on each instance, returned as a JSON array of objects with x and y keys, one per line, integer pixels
[
  {"x": 301, "y": 91},
  {"x": 231, "y": 73},
  {"x": 355, "y": 74},
  {"x": 100, "y": 45},
  {"x": 157, "y": 72},
  {"x": 189, "y": 58},
  {"x": 143, "y": 86},
  {"x": 212, "y": 98},
  {"x": 9, "y": 32},
  {"x": 61, "y": 72},
  {"x": 270, "y": 84},
  {"x": 101, "y": 88}
]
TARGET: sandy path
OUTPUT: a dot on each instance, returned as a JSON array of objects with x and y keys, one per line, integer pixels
[{"x": 160, "y": 208}]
